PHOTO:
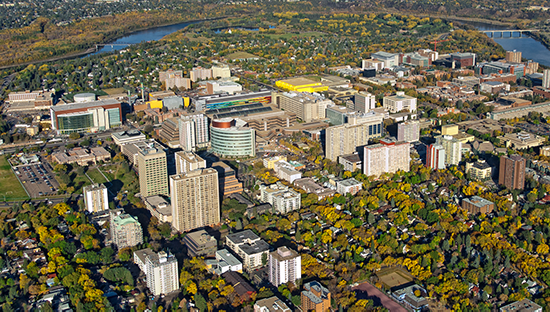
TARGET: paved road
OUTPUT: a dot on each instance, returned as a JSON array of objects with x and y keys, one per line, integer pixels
[{"x": 367, "y": 291}]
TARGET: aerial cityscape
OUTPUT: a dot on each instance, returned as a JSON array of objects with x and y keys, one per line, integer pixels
[{"x": 274, "y": 156}]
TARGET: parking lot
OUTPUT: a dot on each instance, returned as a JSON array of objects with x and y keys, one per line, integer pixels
[{"x": 38, "y": 179}]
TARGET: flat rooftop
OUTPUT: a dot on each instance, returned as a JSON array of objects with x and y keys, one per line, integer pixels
[{"x": 66, "y": 107}]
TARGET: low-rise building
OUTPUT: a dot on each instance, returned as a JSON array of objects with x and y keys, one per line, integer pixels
[
  {"x": 200, "y": 243},
  {"x": 82, "y": 156},
  {"x": 125, "y": 137},
  {"x": 349, "y": 186},
  {"x": 159, "y": 208},
  {"x": 524, "y": 305},
  {"x": 351, "y": 162},
  {"x": 271, "y": 304},
  {"x": 241, "y": 286},
  {"x": 269, "y": 163},
  {"x": 412, "y": 297},
  {"x": 283, "y": 198},
  {"x": 308, "y": 185},
  {"x": 285, "y": 171},
  {"x": 315, "y": 297},
  {"x": 479, "y": 170},
  {"x": 224, "y": 262},
  {"x": 399, "y": 102},
  {"x": 521, "y": 140},
  {"x": 476, "y": 204},
  {"x": 249, "y": 247}
]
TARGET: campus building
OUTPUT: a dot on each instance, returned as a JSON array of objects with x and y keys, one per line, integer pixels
[
  {"x": 195, "y": 199},
  {"x": 86, "y": 117},
  {"x": 232, "y": 138},
  {"x": 306, "y": 106},
  {"x": 399, "y": 102},
  {"x": 301, "y": 85}
]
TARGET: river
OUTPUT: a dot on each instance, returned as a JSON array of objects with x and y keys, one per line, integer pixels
[
  {"x": 151, "y": 34},
  {"x": 530, "y": 48}
]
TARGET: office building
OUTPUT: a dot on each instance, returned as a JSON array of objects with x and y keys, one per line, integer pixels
[
  {"x": 229, "y": 87},
  {"x": 344, "y": 139},
  {"x": 408, "y": 131},
  {"x": 351, "y": 162},
  {"x": 453, "y": 149},
  {"x": 193, "y": 131},
  {"x": 31, "y": 100},
  {"x": 476, "y": 204},
  {"x": 285, "y": 265},
  {"x": 512, "y": 172},
  {"x": 225, "y": 262},
  {"x": 161, "y": 270},
  {"x": 315, "y": 297},
  {"x": 228, "y": 182},
  {"x": 283, "y": 198},
  {"x": 449, "y": 130},
  {"x": 152, "y": 171},
  {"x": 513, "y": 56},
  {"x": 301, "y": 85},
  {"x": 200, "y": 243},
  {"x": 188, "y": 161},
  {"x": 386, "y": 157},
  {"x": 125, "y": 229},
  {"x": 127, "y": 137},
  {"x": 86, "y": 117},
  {"x": 170, "y": 132},
  {"x": 435, "y": 157},
  {"x": 546, "y": 79},
  {"x": 349, "y": 186},
  {"x": 195, "y": 199},
  {"x": 82, "y": 156},
  {"x": 271, "y": 304},
  {"x": 199, "y": 73},
  {"x": 131, "y": 150},
  {"x": 249, "y": 247},
  {"x": 232, "y": 138},
  {"x": 524, "y": 305},
  {"x": 363, "y": 102},
  {"x": 306, "y": 106},
  {"x": 479, "y": 170},
  {"x": 463, "y": 59},
  {"x": 159, "y": 208},
  {"x": 389, "y": 59},
  {"x": 399, "y": 102},
  {"x": 95, "y": 198}
]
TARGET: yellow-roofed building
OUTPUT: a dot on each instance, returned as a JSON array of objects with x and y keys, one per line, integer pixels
[
  {"x": 185, "y": 101},
  {"x": 155, "y": 104},
  {"x": 301, "y": 85}
]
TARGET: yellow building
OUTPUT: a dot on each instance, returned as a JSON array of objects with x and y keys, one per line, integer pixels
[
  {"x": 269, "y": 163},
  {"x": 449, "y": 130},
  {"x": 185, "y": 101},
  {"x": 155, "y": 104},
  {"x": 301, "y": 85}
]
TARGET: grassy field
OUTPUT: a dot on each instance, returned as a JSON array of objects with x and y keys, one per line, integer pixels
[
  {"x": 9, "y": 184},
  {"x": 241, "y": 55},
  {"x": 96, "y": 176}
]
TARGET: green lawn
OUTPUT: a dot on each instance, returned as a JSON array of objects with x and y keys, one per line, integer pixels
[
  {"x": 9, "y": 184},
  {"x": 96, "y": 176}
]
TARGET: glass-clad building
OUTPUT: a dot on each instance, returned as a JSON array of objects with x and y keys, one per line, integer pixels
[
  {"x": 86, "y": 117},
  {"x": 232, "y": 138}
]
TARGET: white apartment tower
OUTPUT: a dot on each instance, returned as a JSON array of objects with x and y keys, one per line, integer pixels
[
  {"x": 546, "y": 79},
  {"x": 95, "y": 198},
  {"x": 193, "y": 131},
  {"x": 161, "y": 270},
  {"x": 188, "y": 161},
  {"x": 386, "y": 157},
  {"x": 453, "y": 149},
  {"x": 285, "y": 266}
]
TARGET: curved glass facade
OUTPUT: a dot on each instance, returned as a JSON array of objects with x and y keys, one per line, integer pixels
[{"x": 231, "y": 142}]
